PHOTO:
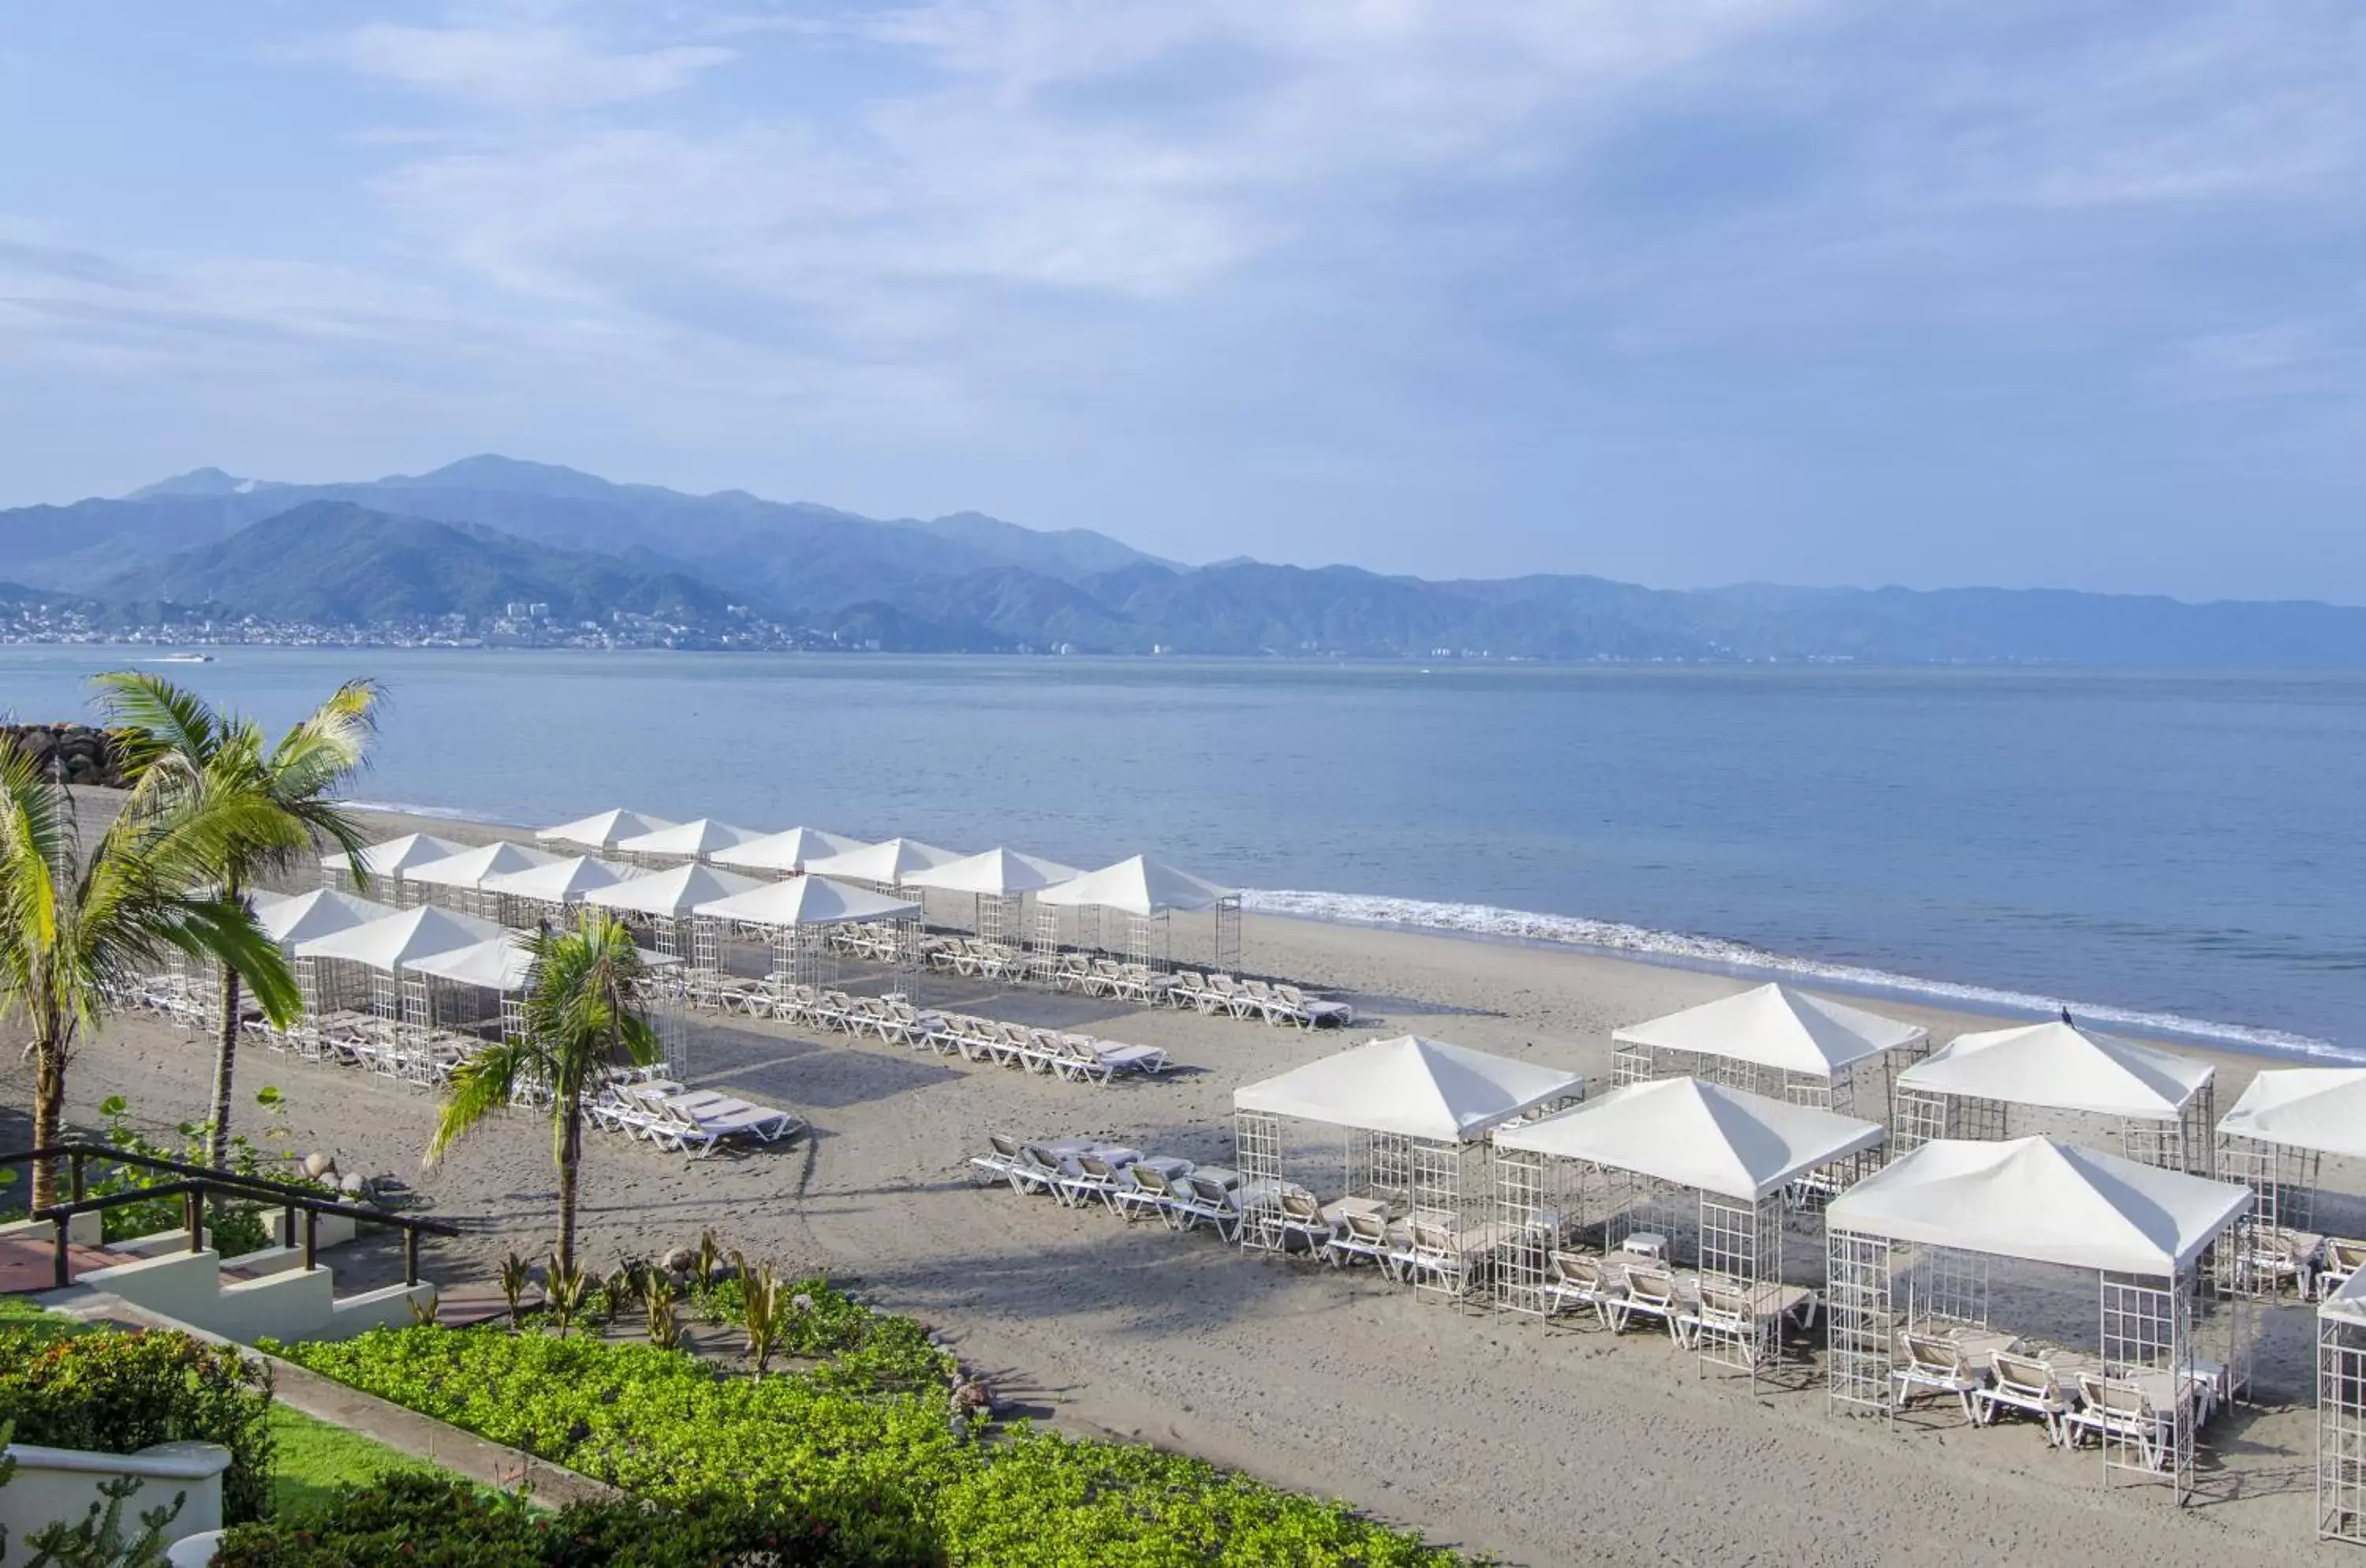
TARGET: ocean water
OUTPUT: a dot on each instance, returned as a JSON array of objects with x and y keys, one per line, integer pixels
[{"x": 2175, "y": 851}]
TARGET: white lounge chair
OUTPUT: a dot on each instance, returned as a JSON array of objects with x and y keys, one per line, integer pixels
[
  {"x": 1650, "y": 1292},
  {"x": 1936, "y": 1366},
  {"x": 1576, "y": 1282},
  {"x": 1149, "y": 1187},
  {"x": 2115, "y": 1410},
  {"x": 2025, "y": 1383}
]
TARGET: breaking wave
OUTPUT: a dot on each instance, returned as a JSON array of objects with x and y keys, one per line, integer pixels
[{"x": 1677, "y": 949}]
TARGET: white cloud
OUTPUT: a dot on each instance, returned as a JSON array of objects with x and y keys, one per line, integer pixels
[{"x": 524, "y": 70}]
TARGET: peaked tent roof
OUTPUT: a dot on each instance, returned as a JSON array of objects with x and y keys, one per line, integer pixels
[
  {"x": 785, "y": 851},
  {"x": 2042, "y": 1200},
  {"x": 395, "y": 856},
  {"x": 470, "y": 867},
  {"x": 2063, "y": 1068},
  {"x": 1777, "y": 1027},
  {"x": 703, "y": 837},
  {"x": 400, "y": 940},
  {"x": 561, "y": 881},
  {"x": 504, "y": 963},
  {"x": 1419, "y": 1089},
  {"x": 889, "y": 861},
  {"x": 1139, "y": 885},
  {"x": 996, "y": 874},
  {"x": 604, "y": 830},
  {"x": 1725, "y": 1141},
  {"x": 2322, "y": 1109},
  {"x": 807, "y": 901},
  {"x": 674, "y": 892},
  {"x": 303, "y": 916}
]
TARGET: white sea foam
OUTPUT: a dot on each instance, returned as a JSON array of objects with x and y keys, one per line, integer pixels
[
  {"x": 1487, "y": 921},
  {"x": 442, "y": 813}
]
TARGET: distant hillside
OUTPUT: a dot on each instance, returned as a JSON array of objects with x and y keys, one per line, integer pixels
[
  {"x": 332, "y": 561},
  {"x": 793, "y": 554},
  {"x": 475, "y": 535}
]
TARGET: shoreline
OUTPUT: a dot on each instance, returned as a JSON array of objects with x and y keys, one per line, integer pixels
[{"x": 1680, "y": 950}]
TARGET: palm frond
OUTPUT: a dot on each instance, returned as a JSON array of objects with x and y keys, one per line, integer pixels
[{"x": 481, "y": 1086}]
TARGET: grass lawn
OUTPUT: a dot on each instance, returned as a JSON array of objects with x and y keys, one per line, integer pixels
[{"x": 316, "y": 1459}]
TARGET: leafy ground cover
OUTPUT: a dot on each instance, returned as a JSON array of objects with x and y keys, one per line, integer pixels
[
  {"x": 316, "y": 1463},
  {"x": 855, "y": 1438}
]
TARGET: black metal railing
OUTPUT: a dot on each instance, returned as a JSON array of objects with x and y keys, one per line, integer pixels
[{"x": 195, "y": 1183}]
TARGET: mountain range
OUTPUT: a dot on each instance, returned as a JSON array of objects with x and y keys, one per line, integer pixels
[{"x": 477, "y": 535}]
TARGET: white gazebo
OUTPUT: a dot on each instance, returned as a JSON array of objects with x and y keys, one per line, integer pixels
[
  {"x": 540, "y": 891},
  {"x": 1146, "y": 892},
  {"x": 795, "y": 917},
  {"x": 1910, "y": 1250},
  {"x": 602, "y": 830},
  {"x": 298, "y": 918},
  {"x": 887, "y": 863},
  {"x": 382, "y": 866},
  {"x": 2275, "y": 1138},
  {"x": 2341, "y": 1412},
  {"x": 785, "y": 852},
  {"x": 390, "y": 947},
  {"x": 1769, "y": 1040},
  {"x": 695, "y": 840},
  {"x": 461, "y": 877},
  {"x": 666, "y": 900},
  {"x": 1707, "y": 1174},
  {"x": 501, "y": 969},
  {"x": 1415, "y": 1115},
  {"x": 1985, "y": 1085},
  {"x": 998, "y": 882}
]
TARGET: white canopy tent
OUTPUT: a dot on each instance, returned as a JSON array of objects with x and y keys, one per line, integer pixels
[
  {"x": 1770, "y": 1040},
  {"x": 785, "y": 851},
  {"x": 501, "y": 967},
  {"x": 1710, "y": 1173},
  {"x": 1415, "y": 1115},
  {"x": 2161, "y": 1101},
  {"x": 558, "y": 882},
  {"x": 666, "y": 900},
  {"x": 695, "y": 840},
  {"x": 300, "y": 916},
  {"x": 1146, "y": 892},
  {"x": 796, "y": 915},
  {"x": 384, "y": 865},
  {"x": 2341, "y": 1412},
  {"x": 604, "y": 830},
  {"x": 2275, "y": 1141},
  {"x": 1950, "y": 1206},
  {"x": 998, "y": 882},
  {"x": 462, "y": 876},
  {"x": 389, "y": 948},
  {"x": 887, "y": 863}
]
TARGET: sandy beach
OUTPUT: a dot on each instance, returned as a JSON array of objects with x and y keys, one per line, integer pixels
[{"x": 1490, "y": 1433}]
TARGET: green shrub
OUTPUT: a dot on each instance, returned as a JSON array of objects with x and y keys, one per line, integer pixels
[
  {"x": 119, "y": 1392},
  {"x": 859, "y": 1442},
  {"x": 422, "y": 1522},
  {"x": 234, "y": 1227}
]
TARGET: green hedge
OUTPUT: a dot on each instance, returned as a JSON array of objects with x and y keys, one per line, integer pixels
[
  {"x": 860, "y": 1442},
  {"x": 412, "y": 1521},
  {"x": 118, "y": 1392}
]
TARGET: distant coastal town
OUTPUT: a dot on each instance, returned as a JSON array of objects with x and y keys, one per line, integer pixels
[{"x": 521, "y": 625}]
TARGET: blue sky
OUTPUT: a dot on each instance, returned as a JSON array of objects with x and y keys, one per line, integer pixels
[{"x": 2067, "y": 292}]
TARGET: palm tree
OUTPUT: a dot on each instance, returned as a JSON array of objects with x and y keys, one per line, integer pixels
[
  {"x": 77, "y": 930},
  {"x": 582, "y": 1015},
  {"x": 195, "y": 752}
]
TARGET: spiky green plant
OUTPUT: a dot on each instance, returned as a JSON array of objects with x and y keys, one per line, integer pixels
[
  {"x": 656, "y": 1301},
  {"x": 564, "y": 1287},
  {"x": 710, "y": 1253},
  {"x": 514, "y": 1276},
  {"x": 288, "y": 789},
  {"x": 763, "y": 1307}
]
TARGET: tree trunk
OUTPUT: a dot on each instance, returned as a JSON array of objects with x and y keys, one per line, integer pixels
[
  {"x": 571, "y": 1156},
  {"x": 49, "y": 1108},
  {"x": 225, "y": 1060}
]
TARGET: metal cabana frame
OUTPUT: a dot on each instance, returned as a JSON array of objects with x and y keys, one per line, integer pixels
[
  {"x": 2185, "y": 1142},
  {"x": 2341, "y": 1412},
  {"x": 2169, "y": 1341}
]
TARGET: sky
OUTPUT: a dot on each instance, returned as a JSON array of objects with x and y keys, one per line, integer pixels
[{"x": 2028, "y": 292}]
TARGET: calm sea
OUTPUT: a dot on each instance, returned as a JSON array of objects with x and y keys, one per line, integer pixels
[{"x": 2178, "y": 850}]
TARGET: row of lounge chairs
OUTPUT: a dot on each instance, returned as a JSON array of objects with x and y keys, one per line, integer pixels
[
  {"x": 2274, "y": 1256},
  {"x": 692, "y": 1122},
  {"x": 2075, "y": 1395},
  {"x": 1275, "y": 1003},
  {"x": 1135, "y": 1186},
  {"x": 1066, "y": 1054}
]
